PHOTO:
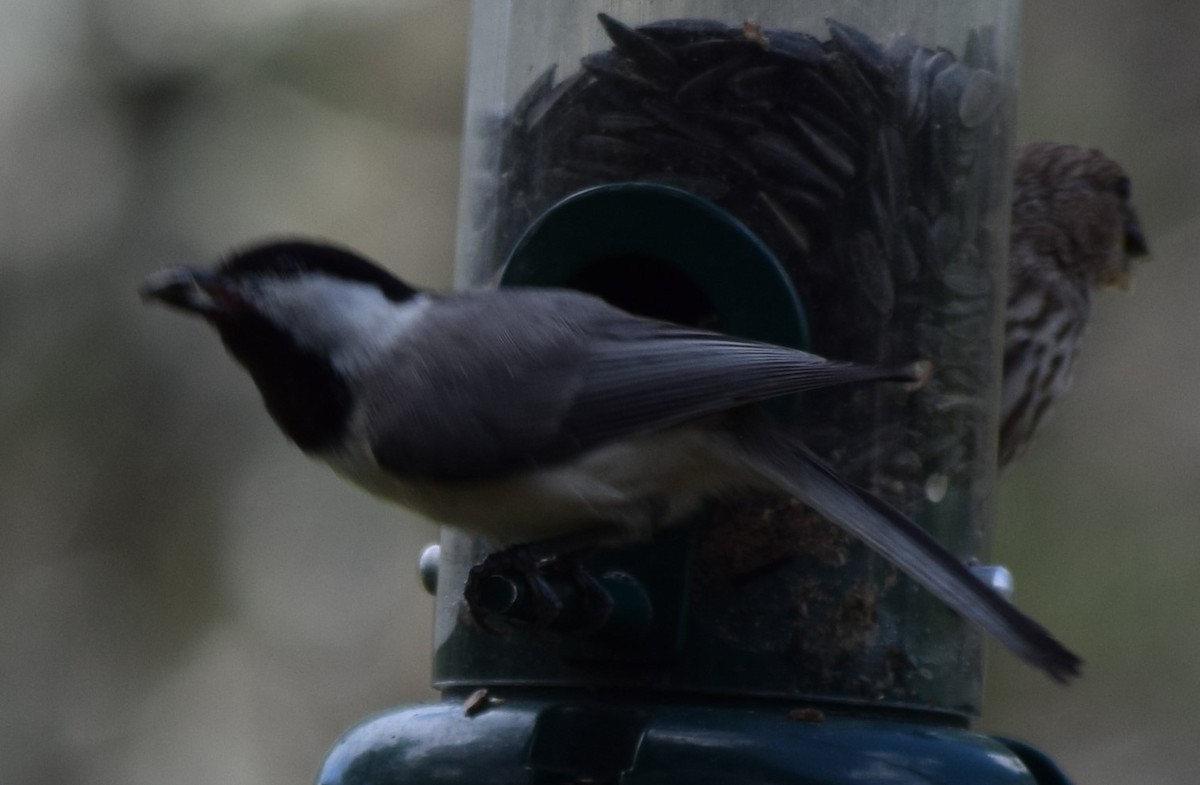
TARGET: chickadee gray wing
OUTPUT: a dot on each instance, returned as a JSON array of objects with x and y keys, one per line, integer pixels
[
  {"x": 556, "y": 373},
  {"x": 492, "y": 400},
  {"x": 643, "y": 375}
]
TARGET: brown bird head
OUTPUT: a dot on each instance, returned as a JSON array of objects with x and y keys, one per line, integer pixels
[{"x": 1073, "y": 204}]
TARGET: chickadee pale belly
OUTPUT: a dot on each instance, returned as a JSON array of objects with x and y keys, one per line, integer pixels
[
  {"x": 527, "y": 414},
  {"x": 638, "y": 484}
]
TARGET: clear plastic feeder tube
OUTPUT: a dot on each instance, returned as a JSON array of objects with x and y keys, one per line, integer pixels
[{"x": 868, "y": 145}]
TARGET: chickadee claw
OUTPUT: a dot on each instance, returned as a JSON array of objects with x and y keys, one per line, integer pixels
[{"x": 552, "y": 593}]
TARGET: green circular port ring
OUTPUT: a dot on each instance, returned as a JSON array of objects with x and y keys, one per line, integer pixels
[{"x": 732, "y": 269}]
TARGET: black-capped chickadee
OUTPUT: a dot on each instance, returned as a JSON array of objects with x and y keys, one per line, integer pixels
[{"x": 530, "y": 414}]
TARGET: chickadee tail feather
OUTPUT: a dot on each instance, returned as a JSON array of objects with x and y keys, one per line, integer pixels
[
  {"x": 794, "y": 469},
  {"x": 828, "y": 373}
]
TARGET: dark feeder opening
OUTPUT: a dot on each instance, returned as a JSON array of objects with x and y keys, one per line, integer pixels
[
  {"x": 662, "y": 252},
  {"x": 661, "y": 290}
]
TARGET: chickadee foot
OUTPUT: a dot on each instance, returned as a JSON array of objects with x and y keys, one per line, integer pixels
[
  {"x": 515, "y": 590},
  {"x": 508, "y": 584},
  {"x": 587, "y": 604}
]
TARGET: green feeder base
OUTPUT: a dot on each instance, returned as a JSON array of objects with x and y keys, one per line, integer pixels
[{"x": 520, "y": 736}]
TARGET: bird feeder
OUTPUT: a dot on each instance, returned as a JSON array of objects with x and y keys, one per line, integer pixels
[{"x": 827, "y": 175}]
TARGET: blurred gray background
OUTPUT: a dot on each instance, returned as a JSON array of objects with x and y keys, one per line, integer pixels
[{"x": 185, "y": 598}]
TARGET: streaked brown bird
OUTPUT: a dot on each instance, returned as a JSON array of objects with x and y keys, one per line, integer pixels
[{"x": 1073, "y": 230}]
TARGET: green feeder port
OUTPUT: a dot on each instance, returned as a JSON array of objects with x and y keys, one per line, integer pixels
[{"x": 662, "y": 252}]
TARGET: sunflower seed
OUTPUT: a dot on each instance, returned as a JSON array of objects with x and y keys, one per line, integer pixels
[
  {"x": 705, "y": 54},
  {"x": 675, "y": 32},
  {"x": 824, "y": 150},
  {"x": 666, "y": 113},
  {"x": 755, "y": 83},
  {"x": 797, "y": 48},
  {"x": 540, "y": 88},
  {"x": 700, "y": 88},
  {"x": 980, "y": 50},
  {"x": 899, "y": 51},
  {"x": 638, "y": 47},
  {"x": 860, "y": 47},
  {"x": 783, "y": 161},
  {"x": 980, "y": 97},
  {"x": 792, "y": 228}
]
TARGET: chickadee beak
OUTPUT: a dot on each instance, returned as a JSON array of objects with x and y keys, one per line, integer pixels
[{"x": 187, "y": 289}]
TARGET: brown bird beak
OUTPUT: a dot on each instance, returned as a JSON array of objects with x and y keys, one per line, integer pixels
[
  {"x": 1122, "y": 280},
  {"x": 1134, "y": 246},
  {"x": 1135, "y": 240}
]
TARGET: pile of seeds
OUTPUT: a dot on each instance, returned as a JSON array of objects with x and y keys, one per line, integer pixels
[
  {"x": 871, "y": 171},
  {"x": 874, "y": 172}
]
